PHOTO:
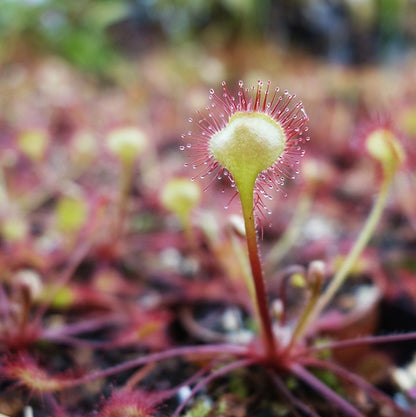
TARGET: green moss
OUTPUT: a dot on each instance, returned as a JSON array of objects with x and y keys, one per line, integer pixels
[{"x": 200, "y": 409}]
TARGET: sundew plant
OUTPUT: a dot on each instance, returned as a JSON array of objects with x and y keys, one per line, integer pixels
[
  {"x": 125, "y": 340},
  {"x": 254, "y": 139},
  {"x": 255, "y": 142}
]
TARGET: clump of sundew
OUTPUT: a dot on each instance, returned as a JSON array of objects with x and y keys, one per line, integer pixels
[
  {"x": 287, "y": 349},
  {"x": 249, "y": 140}
]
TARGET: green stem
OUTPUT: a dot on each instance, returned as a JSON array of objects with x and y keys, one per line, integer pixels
[
  {"x": 241, "y": 257},
  {"x": 292, "y": 232},
  {"x": 315, "y": 280},
  {"x": 246, "y": 196},
  {"x": 188, "y": 230},
  {"x": 352, "y": 257},
  {"x": 4, "y": 195},
  {"x": 125, "y": 186}
]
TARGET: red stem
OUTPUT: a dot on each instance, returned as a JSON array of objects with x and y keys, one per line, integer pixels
[
  {"x": 256, "y": 269},
  {"x": 392, "y": 338},
  {"x": 207, "y": 350},
  {"x": 357, "y": 381},
  {"x": 73, "y": 263},
  {"x": 325, "y": 391}
]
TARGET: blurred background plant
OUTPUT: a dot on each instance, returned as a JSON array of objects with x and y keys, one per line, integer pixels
[
  {"x": 90, "y": 33},
  {"x": 103, "y": 251}
]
